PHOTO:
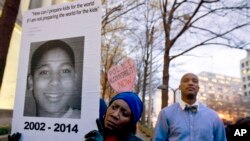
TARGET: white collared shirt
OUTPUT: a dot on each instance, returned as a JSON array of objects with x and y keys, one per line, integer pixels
[{"x": 183, "y": 104}]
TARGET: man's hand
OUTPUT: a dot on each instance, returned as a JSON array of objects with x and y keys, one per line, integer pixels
[
  {"x": 14, "y": 137},
  {"x": 94, "y": 136}
]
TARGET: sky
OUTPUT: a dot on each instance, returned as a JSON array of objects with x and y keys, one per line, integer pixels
[{"x": 221, "y": 60}]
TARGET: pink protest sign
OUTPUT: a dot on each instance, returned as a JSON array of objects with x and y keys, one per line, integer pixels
[{"x": 122, "y": 77}]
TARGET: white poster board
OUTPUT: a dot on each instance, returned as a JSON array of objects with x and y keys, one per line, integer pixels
[{"x": 57, "y": 95}]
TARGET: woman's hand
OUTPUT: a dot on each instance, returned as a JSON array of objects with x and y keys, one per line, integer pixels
[
  {"x": 14, "y": 137},
  {"x": 93, "y": 136}
]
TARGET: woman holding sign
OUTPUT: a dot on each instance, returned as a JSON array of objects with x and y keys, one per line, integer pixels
[{"x": 120, "y": 119}]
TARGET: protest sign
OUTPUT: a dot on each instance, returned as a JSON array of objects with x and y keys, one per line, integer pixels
[
  {"x": 58, "y": 85},
  {"x": 122, "y": 77}
]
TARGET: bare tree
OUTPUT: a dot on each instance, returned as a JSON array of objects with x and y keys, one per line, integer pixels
[
  {"x": 189, "y": 24},
  {"x": 113, "y": 49},
  {"x": 7, "y": 23},
  {"x": 112, "y": 53},
  {"x": 142, "y": 35}
]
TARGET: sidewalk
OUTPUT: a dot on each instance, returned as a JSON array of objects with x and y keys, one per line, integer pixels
[{"x": 3, "y": 137}]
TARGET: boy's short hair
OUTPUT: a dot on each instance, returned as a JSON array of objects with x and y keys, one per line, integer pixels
[{"x": 47, "y": 46}]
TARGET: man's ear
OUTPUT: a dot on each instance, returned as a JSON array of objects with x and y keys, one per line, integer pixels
[{"x": 30, "y": 82}]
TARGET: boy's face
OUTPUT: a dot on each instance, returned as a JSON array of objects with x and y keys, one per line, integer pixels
[{"x": 53, "y": 82}]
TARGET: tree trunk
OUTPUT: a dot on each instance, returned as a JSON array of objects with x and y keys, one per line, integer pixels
[
  {"x": 165, "y": 80},
  {"x": 7, "y": 23},
  {"x": 144, "y": 92}
]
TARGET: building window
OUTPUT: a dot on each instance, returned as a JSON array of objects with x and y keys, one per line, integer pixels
[
  {"x": 244, "y": 79},
  {"x": 244, "y": 71},
  {"x": 220, "y": 89},
  {"x": 242, "y": 65},
  {"x": 246, "y": 63},
  {"x": 248, "y": 77},
  {"x": 245, "y": 93},
  {"x": 244, "y": 86}
]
